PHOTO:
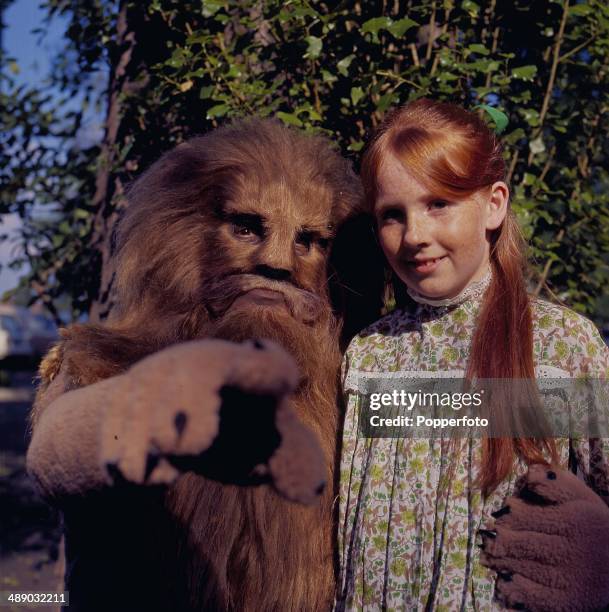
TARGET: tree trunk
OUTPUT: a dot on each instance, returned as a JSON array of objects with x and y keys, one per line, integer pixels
[{"x": 109, "y": 188}]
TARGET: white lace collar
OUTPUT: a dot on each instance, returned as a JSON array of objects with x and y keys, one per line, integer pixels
[{"x": 473, "y": 291}]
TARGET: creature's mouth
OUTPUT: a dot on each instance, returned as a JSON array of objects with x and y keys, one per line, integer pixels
[
  {"x": 241, "y": 290},
  {"x": 263, "y": 297}
]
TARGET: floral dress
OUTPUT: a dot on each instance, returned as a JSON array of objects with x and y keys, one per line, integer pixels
[{"x": 409, "y": 510}]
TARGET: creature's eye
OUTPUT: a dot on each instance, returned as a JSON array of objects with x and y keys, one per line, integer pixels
[
  {"x": 247, "y": 226},
  {"x": 246, "y": 233},
  {"x": 304, "y": 240},
  {"x": 323, "y": 243},
  {"x": 240, "y": 230}
]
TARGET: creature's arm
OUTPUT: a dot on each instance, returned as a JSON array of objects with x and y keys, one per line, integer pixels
[
  {"x": 64, "y": 452},
  {"x": 212, "y": 406}
]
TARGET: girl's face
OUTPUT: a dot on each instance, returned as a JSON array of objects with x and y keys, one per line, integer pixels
[{"x": 436, "y": 246}]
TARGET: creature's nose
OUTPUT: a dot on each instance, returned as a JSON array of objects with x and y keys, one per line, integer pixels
[{"x": 280, "y": 274}]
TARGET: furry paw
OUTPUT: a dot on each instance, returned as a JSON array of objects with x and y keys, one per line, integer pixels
[
  {"x": 297, "y": 467},
  {"x": 550, "y": 545},
  {"x": 171, "y": 404}
]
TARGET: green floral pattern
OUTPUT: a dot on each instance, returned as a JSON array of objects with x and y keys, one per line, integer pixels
[{"x": 407, "y": 523}]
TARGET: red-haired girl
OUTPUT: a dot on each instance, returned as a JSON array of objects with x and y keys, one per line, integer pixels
[{"x": 411, "y": 509}]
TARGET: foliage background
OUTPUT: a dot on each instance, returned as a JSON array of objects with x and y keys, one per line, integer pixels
[{"x": 175, "y": 69}]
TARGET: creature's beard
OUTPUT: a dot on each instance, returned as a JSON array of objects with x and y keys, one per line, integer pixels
[
  {"x": 315, "y": 349},
  {"x": 304, "y": 342},
  {"x": 263, "y": 539}
]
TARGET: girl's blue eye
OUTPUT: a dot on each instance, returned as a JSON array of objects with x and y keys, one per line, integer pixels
[{"x": 438, "y": 204}]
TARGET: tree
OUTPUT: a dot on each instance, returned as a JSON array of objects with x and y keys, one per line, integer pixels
[{"x": 179, "y": 69}]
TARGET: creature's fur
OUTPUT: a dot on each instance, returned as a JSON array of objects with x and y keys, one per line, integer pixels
[{"x": 182, "y": 260}]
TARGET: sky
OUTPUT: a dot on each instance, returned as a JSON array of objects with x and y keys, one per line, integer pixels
[{"x": 20, "y": 18}]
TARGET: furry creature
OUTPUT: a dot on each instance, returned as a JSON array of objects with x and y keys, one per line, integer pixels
[{"x": 227, "y": 236}]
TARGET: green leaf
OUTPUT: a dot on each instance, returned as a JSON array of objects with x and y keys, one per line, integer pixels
[
  {"x": 485, "y": 66},
  {"x": 211, "y": 7},
  {"x": 309, "y": 110},
  {"x": 357, "y": 93},
  {"x": 531, "y": 116},
  {"x": 444, "y": 77},
  {"x": 219, "y": 110},
  {"x": 176, "y": 60},
  {"x": 234, "y": 72},
  {"x": 471, "y": 7},
  {"x": 343, "y": 65},
  {"x": 206, "y": 92},
  {"x": 526, "y": 73},
  {"x": 400, "y": 27},
  {"x": 499, "y": 118},
  {"x": 480, "y": 49},
  {"x": 385, "y": 102},
  {"x": 529, "y": 179},
  {"x": 372, "y": 26},
  {"x": 314, "y": 48},
  {"x": 579, "y": 10},
  {"x": 513, "y": 137},
  {"x": 290, "y": 119},
  {"x": 284, "y": 16},
  {"x": 537, "y": 145},
  {"x": 305, "y": 11}
]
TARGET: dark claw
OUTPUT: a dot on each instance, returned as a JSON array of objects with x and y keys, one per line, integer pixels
[
  {"x": 501, "y": 512},
  {"x": 151, "y": 462},
  {"x": 115, "y": 473},
  {"x": 488, "y": 533},
  {"x": 180, "y": 422},
  {"x": 507, "y": 576},
  {"x": 534, "y": 498},
  {"x": 551, "y": 475}
]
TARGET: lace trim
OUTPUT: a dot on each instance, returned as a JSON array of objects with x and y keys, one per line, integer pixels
[
  {"x": 547, "y": 376},
  {"x": 473, "y": 291}
]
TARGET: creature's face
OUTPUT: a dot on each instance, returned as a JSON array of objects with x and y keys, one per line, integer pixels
[
  {"x": 269, "y": 243},
  {"x": 233, "y": 225}
]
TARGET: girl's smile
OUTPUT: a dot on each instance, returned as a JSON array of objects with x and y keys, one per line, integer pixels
[{"x": 425, "y": 266}]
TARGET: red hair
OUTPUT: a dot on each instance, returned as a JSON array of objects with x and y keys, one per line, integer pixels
[{"x": 454, "y": 154}]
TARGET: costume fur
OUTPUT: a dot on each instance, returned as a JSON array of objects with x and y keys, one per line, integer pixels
[{"x": 145, "y": 427}]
